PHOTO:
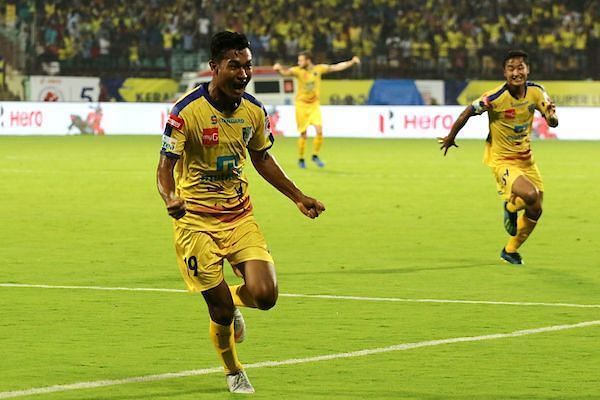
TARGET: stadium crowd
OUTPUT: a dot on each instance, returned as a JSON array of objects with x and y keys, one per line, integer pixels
[{"x": 409, "y": 38}]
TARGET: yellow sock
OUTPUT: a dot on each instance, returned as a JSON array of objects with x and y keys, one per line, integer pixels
[
  {"x": 241, "y": 296},
  {"x": 222, "y": 338},
  {"x": 317, "y": 143},
  {"x": 524, "y": 228},
  {"x": 515, "y": 204},
  {"x": 301, "y": 146}
]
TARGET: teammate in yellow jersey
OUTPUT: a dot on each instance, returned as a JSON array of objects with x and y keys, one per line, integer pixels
[
  {"x": 308, "y": 106},
  {"x": 510, "y": 109},
  {"x": 204, "y": 145}
]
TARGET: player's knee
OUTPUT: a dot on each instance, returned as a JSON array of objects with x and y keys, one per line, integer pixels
[
  {"x": 221, "y": 315},
  {"x": 534, "y": 213},
  {"x": 266, "y": 302},
  {"x": 531, "y": 196},
  {"x": 266, "y": 297}
]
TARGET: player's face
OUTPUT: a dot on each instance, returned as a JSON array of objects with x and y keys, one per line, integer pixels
[
  {"x": 516, "y": 71},
  {"x": 233, "y": 72},
  {"x": 303, "y": 61}
]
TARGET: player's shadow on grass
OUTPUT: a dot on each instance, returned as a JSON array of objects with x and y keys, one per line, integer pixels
[
  {"x": 199, "y": 393},
  {"x": 401, "y": 270},
  {"x": 408, "y": 270},
  {"x": 329, "y": 171}
]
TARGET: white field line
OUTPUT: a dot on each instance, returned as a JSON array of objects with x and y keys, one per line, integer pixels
[
  {"x": 317, "y": 296},
  {"x": 292, "y": 361}
]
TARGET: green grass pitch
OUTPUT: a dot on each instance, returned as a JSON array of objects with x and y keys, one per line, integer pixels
[{"x": 401, "y": 222}]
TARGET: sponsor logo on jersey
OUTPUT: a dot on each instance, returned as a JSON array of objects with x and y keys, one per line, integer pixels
[
  {"x": 519, "y": 129},
  {"x": 175, "y": 121},
  {"x": 233, "y": 120},
  {"x": 210, "y": 136},
  {"x": 268, "y": 131},
  {"x": 247, "y": 134},
  {"x": 168, "y": 143},
  {"x": 511, "y": 113}
]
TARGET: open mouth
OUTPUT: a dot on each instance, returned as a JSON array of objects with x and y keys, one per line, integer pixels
[{"x": 240, "y": 85}]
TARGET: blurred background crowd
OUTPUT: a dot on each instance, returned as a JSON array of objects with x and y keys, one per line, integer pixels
[{"x": 395, "y": 39}]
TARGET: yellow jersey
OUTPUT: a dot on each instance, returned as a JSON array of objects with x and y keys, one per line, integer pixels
[
  {"x": 210, "y": 146},
  {"x": 309, "y": 83},
  {"x": 510, "y": 119}
]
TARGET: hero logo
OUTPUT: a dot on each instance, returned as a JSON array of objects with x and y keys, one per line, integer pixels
[
  {"x": 210, "y": 136},
  {"x": 400, "y": 122},
  {"x": 21, "y": 119}
]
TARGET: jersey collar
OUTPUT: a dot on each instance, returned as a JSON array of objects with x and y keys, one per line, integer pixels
[
  {"x": 204, "y": 91},
  {"x": 511, "y": 95}
]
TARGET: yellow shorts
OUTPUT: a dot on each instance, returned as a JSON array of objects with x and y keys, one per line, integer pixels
[
  {"x": 200, "y": 254},
  {"x": 307, "y": 115},
  {"x": 506, "y": 174}
]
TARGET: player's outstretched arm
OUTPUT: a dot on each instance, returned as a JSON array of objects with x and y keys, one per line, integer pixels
[
  {"x": 269, "y": 169},
  {"x": 344, "y": 65},
  {"x": 281, "y": 70},
  {"x": 166, "y": 187},
  {"x": 448, "y": 141}
]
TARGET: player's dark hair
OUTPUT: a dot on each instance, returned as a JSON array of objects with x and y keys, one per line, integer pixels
[
  {"x": 307, "y": 54},
  {"x": 513, "y": 54},
  {"x": 224, "y": 41}
]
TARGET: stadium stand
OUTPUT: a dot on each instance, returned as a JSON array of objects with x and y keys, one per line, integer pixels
[{"x": 442, "y": 39}]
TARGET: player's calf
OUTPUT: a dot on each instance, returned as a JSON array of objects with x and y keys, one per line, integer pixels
[
  {"x": 239, "y": 326},
  {"x": 510, "y": 221}
]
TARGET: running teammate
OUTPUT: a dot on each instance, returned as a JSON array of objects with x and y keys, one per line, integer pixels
[{"x": 510, "y": 109}]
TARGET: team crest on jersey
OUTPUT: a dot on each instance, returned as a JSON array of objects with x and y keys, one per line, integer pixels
[
  {"x": 511, "y": 113},
  {"x": 213, "y": 119},
  {"x": 210, "y": 136},
  {"x": 247, "y": 134},
  {"x": 175, "y": 121}
]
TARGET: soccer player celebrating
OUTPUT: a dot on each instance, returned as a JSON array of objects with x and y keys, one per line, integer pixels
[
  {"x": 204, "y": 143},
  {"x": 510, "y": 109},
  {"x": 308, "y": 107}
]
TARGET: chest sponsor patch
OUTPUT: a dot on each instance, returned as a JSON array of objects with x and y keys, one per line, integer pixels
[
  {"x": 175, "y": 121},
  {"x": 210, "y": 136},
  {"x": 511, "y": 113}
]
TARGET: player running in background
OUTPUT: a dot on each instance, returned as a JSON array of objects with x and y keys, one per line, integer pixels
[
  {"x": 510, "y": 109},
  {"x": 204, "y": 143},
  {"x": 308, "y": 106}
]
